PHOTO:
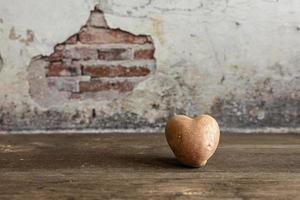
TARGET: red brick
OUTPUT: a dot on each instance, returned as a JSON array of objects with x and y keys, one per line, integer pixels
[
  {"x": 100, "y": 85},
  {"x": 81, "y": 53},
  {"x": 144, "y": 54},
  {"x": 113, "y": 54},
  {"x": 72, "y": 39},
  {"x": 115, "y": 71},
  {"x": 61, "y": 69},
  {"x": 106, "y": 36},
  {"x": 56, "y": 56}
]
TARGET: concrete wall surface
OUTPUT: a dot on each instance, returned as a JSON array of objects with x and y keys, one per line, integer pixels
[{"x": 115, "y": 65}]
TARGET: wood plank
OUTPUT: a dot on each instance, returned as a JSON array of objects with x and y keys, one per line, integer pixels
[{"x": 135, "y": 166}]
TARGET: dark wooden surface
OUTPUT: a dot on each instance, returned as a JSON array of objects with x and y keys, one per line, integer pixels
[{"x": 141, "y": 166}]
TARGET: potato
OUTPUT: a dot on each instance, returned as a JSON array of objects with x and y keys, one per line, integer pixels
[{"x": 192, "y": 140}]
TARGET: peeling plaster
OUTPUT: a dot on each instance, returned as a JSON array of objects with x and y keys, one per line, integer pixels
[{"x": 54, "y": 80}]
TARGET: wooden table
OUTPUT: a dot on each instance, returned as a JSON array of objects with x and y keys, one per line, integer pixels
[{"x": 141, "y": 166}]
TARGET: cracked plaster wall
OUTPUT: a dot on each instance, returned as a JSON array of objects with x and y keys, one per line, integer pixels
[{"x": 237, "y": 60}]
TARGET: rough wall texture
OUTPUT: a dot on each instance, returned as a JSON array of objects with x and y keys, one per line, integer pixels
[
  {"x": 67, "y": 66},
  {"x": 96, "y": 63}
]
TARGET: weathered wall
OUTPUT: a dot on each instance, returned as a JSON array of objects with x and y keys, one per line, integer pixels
[{"x": 237, "y": 60}]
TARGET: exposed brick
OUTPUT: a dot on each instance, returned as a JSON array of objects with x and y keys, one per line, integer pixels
[
  {"x": 105, "y": 36},
  {"x": 114, "y": 54},
  {"x": 56, "y": 56},
  {"x": 61, "y": 69},
  {"x": 72, "y": 39},
  {"x": 115, "y": 71},
  {"x": 82, "y": 53},
  {"x": 144, "y": 54},
  {"x": 101, "y": 85},
  {"x": 99, "y": 58}
]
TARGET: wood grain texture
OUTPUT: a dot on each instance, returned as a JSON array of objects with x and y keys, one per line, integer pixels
[{"x": 141, "y": 166}]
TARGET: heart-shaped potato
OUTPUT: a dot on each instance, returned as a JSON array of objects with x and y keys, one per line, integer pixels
[{"x": 193, "y": 140}]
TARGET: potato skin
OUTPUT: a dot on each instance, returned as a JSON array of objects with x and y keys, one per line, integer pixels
[{"x": 193, "y": 141}]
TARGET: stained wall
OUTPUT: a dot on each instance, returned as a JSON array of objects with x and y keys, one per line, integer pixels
[{"x": 113, "y": 65}]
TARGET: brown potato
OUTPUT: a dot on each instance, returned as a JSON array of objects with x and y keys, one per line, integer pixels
[{"x": 193, "y": 141}]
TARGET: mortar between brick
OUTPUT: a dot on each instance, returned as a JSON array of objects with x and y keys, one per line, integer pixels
[
  {"x": 108, "y": 46},
  {"x": 126, "y": 63}
]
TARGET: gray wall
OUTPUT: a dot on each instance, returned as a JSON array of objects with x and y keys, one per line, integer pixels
[{"x": 237, "y": 60}]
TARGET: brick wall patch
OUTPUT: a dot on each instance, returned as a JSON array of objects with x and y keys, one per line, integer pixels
[{"x": 99, "y": 59}]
